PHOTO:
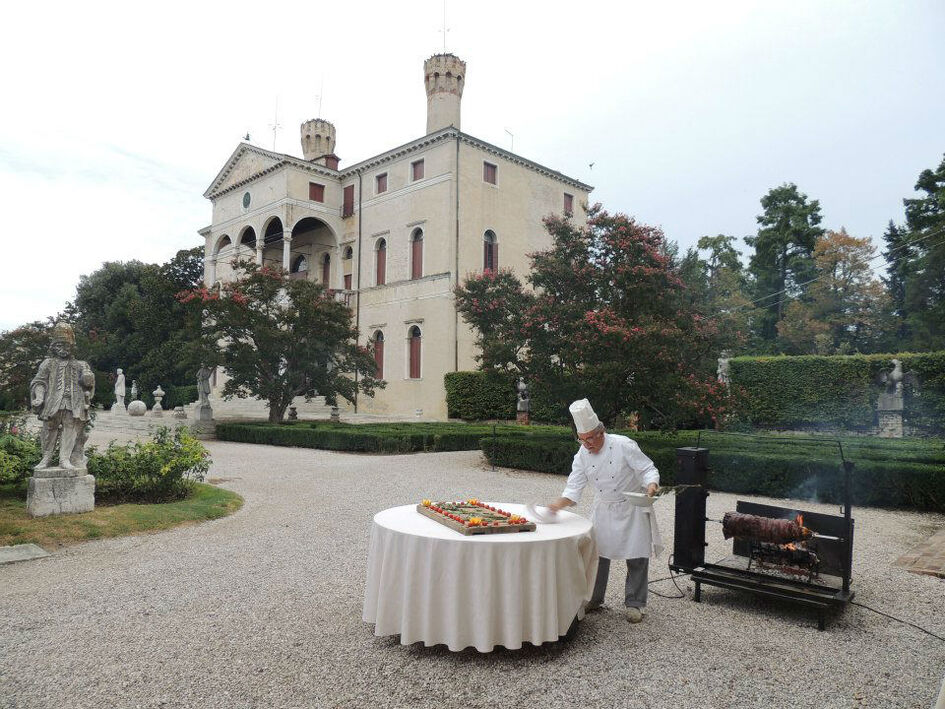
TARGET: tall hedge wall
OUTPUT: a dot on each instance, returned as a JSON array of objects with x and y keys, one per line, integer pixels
[
  {"x": 840, "y": 392},
  {"x": 488, "y": 396}
]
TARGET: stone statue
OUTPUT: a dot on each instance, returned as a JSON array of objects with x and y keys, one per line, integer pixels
[
  {"x": 119, "y": 405},
  {"x": 722, "y": 371},
  {"x": 134, "y": 389},
  {"x": 523, "y": 404},
  {"x": 158, "y": 394},
  {"x": 204, "y": 411},
  {"x": 890, "y": 403},
  {"x": 203, "y": 385},
  {"x": 61, "y": 393}
]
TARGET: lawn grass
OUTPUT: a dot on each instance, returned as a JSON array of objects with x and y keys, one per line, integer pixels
[{"x": 17, "y": 527}]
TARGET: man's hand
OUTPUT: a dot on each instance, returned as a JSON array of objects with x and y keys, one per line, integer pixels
[
  {"x": 560, "y": 504},
  {"x": 651, "y": 489}
]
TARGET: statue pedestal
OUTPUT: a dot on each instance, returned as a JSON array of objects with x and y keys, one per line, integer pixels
[
  {"x": 522, "y": 418},
  {"x": 890, "y": 424},
  {"x": 119, "y": 408},
  {"x": 204, "y": 413},
  {"x": 60, "y": 491}
]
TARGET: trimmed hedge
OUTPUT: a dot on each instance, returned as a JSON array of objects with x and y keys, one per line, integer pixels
[
  {"x": 887, "y": 474},
  {"x": 493, "y": 396},
  {"x": 365, "y": 438},
  {"x": 836, "y": 392}
]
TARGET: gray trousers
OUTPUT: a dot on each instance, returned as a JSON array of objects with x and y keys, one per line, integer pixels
[{"x": 635, "y": 587}]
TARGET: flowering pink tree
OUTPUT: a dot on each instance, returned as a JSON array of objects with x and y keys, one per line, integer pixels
[{"x": 603, "y": 315}]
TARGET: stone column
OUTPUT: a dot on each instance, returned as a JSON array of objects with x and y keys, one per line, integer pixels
[
  {"x": 211, "y": 271},
  {"x": 259, "y": 251},
  {"x": 286, "y": 250}
]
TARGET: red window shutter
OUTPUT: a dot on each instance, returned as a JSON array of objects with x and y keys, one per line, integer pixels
[
  {"x": 489, "y": 172},
  {"x": 347, "y": 281},
  {"x": 379, "y": 356},
  {"x": 417, "y": 259},
  {"x": 382, "y": 183},
  {"x": 495, "y": 256},
  {"x": 382, "y": 265},
  {"x": 417, "y": 170},
  {"x": 486, "y": 256},
  {"x": 415, "y": 356},
  {"x": 568, "y": 204},
  {"x": 326, "y": 271},
  {"x": 316, "y": 192},
  {"x": 348, "y": 207}
]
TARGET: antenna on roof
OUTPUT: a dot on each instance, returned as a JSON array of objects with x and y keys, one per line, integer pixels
[
  {"x": 445, "y": 28},
  {"x": 512, "y": 136},
  {"x": 275, "y": 124},
  {"x": 246, "y": 137},
  {"x": 321, "y": 92}
]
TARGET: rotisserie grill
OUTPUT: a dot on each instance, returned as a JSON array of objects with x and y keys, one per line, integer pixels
[{"x": 779, "y": 552}]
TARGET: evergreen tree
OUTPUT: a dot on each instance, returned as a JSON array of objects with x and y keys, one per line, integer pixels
[
  {"x": 782, "y": 262},
  {"x": 924, "y": 296},
  {"x": 899, "y": 255}
]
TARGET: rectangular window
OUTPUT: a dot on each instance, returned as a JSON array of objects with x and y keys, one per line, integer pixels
[
  {"x": 489, "y": 172},
  {"x": 381, "y": 183},
  {"x": 347, "y": 281},
  {"x": 316, "y": 192},
  {"x": 416, "y": 170},
  {"x": 347, "y": 208},
  {"x": 568, "y": 204}
]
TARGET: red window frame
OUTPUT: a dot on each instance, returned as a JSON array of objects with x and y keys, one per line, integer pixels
[
  {"x": 490, "y": 173},
  {"x": 416, "y": 255},
  {"x": 568, "y": 204},
  {"x": 415, "y": 337},
  {"x": 416, "y": 170},
  {"x": 347, "y": 281},
  {"x": 380, "y": 183},
  {"x": 380, "y": 272},
  {"x": 347, "y": 208},
  {"x": 316, "y": 192}
]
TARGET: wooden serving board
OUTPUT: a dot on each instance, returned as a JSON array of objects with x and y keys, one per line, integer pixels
[{"x": 502, "y": 528}]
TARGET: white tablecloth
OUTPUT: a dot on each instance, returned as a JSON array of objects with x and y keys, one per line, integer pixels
[{"x": 429, "y": 583}]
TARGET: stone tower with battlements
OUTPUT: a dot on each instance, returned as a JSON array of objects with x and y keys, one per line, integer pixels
[
  {"x": 444, "y": 76},
  {"x": 318, "y": 140}
]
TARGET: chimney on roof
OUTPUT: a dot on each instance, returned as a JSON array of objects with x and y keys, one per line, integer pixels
[{"x": 444, "y": 79}]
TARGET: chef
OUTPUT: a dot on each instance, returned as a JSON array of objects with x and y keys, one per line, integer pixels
[{"x": 614, "y": 465}]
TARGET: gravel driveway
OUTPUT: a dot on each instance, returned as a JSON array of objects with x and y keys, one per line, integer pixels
[{"x": 263, "y": 609}]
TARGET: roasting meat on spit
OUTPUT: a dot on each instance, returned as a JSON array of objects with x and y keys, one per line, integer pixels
[{"x": 763, "y": 529}]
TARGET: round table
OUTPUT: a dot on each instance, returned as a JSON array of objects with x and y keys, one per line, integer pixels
[{"x": 431, "y": 584}]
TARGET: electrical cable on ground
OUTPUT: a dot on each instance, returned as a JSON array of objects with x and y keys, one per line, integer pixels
[{"x": 900, "y": 620}]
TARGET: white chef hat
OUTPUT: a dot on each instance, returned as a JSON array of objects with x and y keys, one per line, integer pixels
[{"x": 585, "y": 420}]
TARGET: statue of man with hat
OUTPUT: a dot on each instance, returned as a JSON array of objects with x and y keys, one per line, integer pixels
[
  {"x": 61, "y": 394},
  {"x": 614, "y": 465}
]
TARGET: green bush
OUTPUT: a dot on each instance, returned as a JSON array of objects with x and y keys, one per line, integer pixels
[
  {"x": 886, "y": 474},
  {"x": 480, "y": 396},
  {"x": 19, "y": 454},
  {"x": 811, "y": 392},
  {"x": 160, "y": 470}
]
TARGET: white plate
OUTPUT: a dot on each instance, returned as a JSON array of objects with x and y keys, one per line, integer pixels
[
  {"x": 640, "y": 499},
  {"x": 543, "y": 514}
]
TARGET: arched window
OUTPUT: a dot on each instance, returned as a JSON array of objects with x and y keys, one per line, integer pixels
[
  {"x": 414, "y": 354},
  {"x": 490, "y": 251},
  {"x": 248, "y": 237},
  {"x": 326, "y": 270},
  {"x": 416, "y": 254},
  {"x": 300, "y": 265},
  {"x": 224, "y": 242},
  {"x": 380, "y": 272},
  {"x": 348, "y": 256},
  {"x": 379, "y": 353}
]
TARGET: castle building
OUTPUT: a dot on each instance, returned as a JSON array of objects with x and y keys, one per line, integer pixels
[{"x": 393, "y": 234}]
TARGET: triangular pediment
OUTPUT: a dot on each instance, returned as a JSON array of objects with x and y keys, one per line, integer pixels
[{"x": 245, "y": 162}]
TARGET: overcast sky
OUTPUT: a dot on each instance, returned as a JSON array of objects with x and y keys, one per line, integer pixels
[{"x": 117, "y": 116}]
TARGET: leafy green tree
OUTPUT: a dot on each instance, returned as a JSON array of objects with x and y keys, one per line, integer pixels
[
  {"x": 782, "y": 262},
  {"x": 605, "y": 317},
  {"x": 126, "y": 315},
  {"x": 925, "y": 279},
  {"x": 21, "y": 351},
  {"x": 279, "y": 338}
]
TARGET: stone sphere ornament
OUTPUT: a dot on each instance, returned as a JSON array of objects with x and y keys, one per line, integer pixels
[{"x": 137, "y": 408}]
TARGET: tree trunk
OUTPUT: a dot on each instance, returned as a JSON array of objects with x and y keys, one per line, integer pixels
[{"x": 276, "y": 411}]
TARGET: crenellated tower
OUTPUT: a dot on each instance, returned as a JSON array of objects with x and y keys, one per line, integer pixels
[
  {"x": 318, "y": 142},
  {"x": 444, "y": 78}
]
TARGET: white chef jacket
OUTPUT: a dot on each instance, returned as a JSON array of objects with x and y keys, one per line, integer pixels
[{"x": 622, "y": 530}]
